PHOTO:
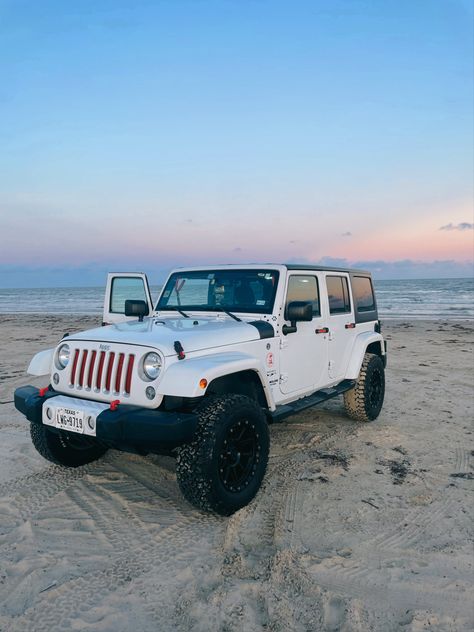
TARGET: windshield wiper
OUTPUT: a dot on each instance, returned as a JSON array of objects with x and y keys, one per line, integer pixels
[
  {"x": 214, "y": 308},
  {"x": 172, "y": 309},
  {"x": 222, "y": 309}
]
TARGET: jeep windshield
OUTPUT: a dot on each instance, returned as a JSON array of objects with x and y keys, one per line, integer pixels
[{"x": 248, "y": 291}]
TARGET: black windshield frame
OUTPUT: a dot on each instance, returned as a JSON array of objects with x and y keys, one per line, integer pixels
[{"x": 234, "y": 279}]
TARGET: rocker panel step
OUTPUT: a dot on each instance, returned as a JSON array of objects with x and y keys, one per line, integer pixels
[{"x": 285, "y": 410}]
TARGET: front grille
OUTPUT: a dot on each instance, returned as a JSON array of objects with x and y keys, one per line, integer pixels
[{"x": 106, "y": 371}]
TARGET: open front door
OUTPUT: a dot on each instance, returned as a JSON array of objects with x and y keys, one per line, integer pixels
[{"x": 122, "y": 286}]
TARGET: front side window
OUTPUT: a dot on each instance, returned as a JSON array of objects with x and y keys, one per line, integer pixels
[
  {"x": 124, "y": 288},
  {"x": 338, "y": 294},
  {"x": 251, "y": 291},
  {"x": 304, "y": 288}
]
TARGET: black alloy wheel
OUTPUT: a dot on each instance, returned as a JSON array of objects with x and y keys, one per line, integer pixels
[
  {"x": 239, "y": 456},
  {"x": 374, "y": 387},
  {"x": 222, "y": 469}
]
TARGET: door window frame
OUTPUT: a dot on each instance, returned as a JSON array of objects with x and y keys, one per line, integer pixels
[
  {"x": 146, "y": 291},
  {"x": 109, "y": 317}
]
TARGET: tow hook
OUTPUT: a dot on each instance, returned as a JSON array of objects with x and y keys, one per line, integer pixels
[
  {"x": 178, "y": 347},
  {"x": 43, "y": 391},
  {"x": 114, "y": 405}
]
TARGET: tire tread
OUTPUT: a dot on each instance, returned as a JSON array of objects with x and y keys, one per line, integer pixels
[
  {"x": 193, "y": 458},
  {"x": 49, "y": 446},
  {"x": 355, "y": 398}
]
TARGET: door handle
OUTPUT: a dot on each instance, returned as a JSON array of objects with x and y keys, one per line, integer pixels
[
  {"x": 323, "y": 330},
  {"x": 350, "y": 326}
]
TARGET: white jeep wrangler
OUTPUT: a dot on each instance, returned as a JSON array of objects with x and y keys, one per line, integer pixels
[{"x": 225, "y": 351}]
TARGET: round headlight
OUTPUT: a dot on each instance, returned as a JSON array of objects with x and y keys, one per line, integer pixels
[
  {"x": 63, "y": 356},
  {"x": 152, "y": 365}
]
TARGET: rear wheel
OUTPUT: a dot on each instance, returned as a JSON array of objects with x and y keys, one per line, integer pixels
[
  {"x": 364, "y": 401},
  {"x": 222, "y": 469},
  {"x": 65, "y": 448}
]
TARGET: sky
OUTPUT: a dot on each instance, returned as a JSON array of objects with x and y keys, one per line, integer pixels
[{"x": 152, "y": 134}]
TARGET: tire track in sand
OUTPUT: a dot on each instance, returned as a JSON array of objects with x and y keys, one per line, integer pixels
[
  {"x": 136, "y": 549},
  {"x": 272, "y": 518},
  {"x": 354, "y": 582},
  {"x": 24, "y": 497}
]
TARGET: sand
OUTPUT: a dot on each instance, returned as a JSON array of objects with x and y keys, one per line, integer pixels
[{"x": 357, "y": 526}]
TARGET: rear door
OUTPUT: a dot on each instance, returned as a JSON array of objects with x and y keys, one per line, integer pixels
[
  {"x": 122, "y": 286},
  {"x": 341, "y": 323}
]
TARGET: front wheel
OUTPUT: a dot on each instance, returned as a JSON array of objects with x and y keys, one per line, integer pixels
[
  {"x": 364, "y": 401},
  {"x": 223, "y": 468},
  {"x": 65, "y": 448}
]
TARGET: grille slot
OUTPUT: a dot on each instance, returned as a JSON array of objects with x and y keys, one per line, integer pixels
[
  {"x": 128, "y": 379},
  {"x": 118, "y": 374},
  {"x": 100, "y": 368},
  {"x": 106, "y": 371},
  {"x": 90, "y": 372},
  {"x": 83, "y": 366},
  {"x": 74, "y": 366},
  {"x": 110, "y": 366}
]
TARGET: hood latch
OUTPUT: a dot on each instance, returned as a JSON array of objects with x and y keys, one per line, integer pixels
[{"x": 178, "y": 347}]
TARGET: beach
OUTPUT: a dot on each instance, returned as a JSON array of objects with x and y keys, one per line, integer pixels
[{"x": 356, "y": 527}]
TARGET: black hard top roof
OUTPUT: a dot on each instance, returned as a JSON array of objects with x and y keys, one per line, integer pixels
[{"x": 304, "y": 266}]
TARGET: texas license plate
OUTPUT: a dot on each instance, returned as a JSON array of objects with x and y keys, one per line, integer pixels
[{"x": 70, "y": 419}]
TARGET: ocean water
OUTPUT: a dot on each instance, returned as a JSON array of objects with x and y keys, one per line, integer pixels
[{"x": 450, "y": 299}]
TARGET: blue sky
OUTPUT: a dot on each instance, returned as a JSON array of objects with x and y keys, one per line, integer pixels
[{"x": 146, "y": 135}]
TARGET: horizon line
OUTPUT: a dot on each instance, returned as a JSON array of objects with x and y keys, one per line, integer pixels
[{"x": 69, "y": 287}]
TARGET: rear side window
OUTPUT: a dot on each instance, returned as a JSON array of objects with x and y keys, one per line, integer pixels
[
  {"x": 304, "y": 288},
  {"x": 338, "y": 293},
  {"x": 363, "y": 293}
]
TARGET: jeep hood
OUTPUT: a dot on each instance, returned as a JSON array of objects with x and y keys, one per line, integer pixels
[{"x": 194, "y": 334}]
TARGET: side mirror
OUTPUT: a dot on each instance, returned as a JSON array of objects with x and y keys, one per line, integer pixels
[
  {"x": 297, "y": 311},
  {"x": 136, "y": 308}
]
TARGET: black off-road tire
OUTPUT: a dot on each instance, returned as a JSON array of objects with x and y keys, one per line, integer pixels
[
  {"x": 64, "y": 449},
  {"x": 222, "y": 469},
  {"x": 364, "y": 401}
]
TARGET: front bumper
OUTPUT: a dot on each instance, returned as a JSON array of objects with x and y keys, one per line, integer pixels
[{"x": 126, "y": 428}]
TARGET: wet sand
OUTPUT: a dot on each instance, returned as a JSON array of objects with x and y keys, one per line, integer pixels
[{"x": 357, "y": 526}]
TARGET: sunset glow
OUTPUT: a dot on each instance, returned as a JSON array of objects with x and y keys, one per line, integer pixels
[{"x": 225, "y": 132}]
